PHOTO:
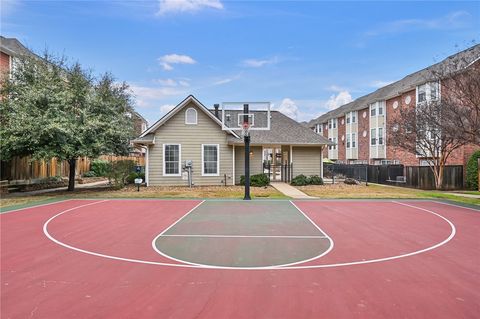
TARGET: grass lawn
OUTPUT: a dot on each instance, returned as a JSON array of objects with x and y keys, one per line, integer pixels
[
  {"x": 145, "y": 192},
  {"x": 341, "y": 190}
]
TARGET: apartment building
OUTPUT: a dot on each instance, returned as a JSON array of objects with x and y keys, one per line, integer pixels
[{"x": 360, "y": 128}]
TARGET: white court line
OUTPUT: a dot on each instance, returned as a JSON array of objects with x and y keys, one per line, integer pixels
[
  {"x": 139, "y": 261},
  {"x": 243, "y": 236},
  {"x": 231, "y": 267},
  {"x": 35, "y": 206}
]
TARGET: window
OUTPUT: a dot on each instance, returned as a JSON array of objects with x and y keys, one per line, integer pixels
[
  {"x": 171, "y": 159},
  {"x": 373, "y": 135},
  {"x": 335, "y": 141},
  {"x": 329, "y": 146},
  {"x": 373, "y": 109},
  {"x": 380, "y": 136},
  {"x": 354, "y": 117},
  {"x": 348, "y": 117},
  {"x": 348, "y": 140},
  {"x": 210, "y": 161},
  {"x": 329, "y": 123},
  {"x": 334, "y": 123},
  {"x": 422, "y": 93},
  {"x": 433, "y": 91},
  {"x": 354, "y": 137},
  {"x": 191, "y": 116},
  {"x": 380, "y": 109}
]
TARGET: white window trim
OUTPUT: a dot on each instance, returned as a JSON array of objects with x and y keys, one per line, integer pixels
[
  {"x": 218, "y": 160},
  {"x": 179, "y": 160},
  {"x": 196, "y": 116}
]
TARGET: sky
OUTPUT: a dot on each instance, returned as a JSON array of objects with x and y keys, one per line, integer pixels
[{"x": 305, "y": 57}]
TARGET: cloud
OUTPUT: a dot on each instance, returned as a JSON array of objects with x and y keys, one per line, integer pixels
[
  {"x": 453, "y": 20},
  {"x": 147, "y": 97},
  {"x": 172, "y": 82},
  {"x": 257, "y": 63},
  {"x": 227, "y": 79},
  {"x": 289, "y": 108},
  {"x": 167, "y": 60},
  {"x": 166, "y": 108},
  {"x": 180, "y": 6},
  {"x": 340, "y": 99}
]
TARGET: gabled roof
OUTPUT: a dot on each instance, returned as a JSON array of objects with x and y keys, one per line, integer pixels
[
  {"x": 13, "y": 47},
  {"x": 284, "y": 130},
  {"x": 453, "y": 63},
  {"x": 189, "y": 99}
]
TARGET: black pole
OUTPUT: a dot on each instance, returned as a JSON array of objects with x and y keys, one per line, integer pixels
[{"x": 246, "y": 139}]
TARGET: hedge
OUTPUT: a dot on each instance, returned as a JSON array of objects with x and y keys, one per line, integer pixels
[
  {"x": 472, "y": 171},
  {"x": 258, "y": 180}
]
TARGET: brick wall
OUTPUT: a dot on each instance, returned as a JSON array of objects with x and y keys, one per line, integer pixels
[
  {"x": 342, "y": 156},
  {"x": 363, "y": 141}
]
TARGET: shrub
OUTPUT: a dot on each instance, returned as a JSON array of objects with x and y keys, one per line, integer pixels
[
  {"x": 315, "y": 180},
  {"x": 132, "y": 176},
  {"x": 300, "y": 180},
  {"x": 472, "y": 171},
  {"x": 89, "y": 174},
  {"x": 119, "y": 171},
  {"x": 100, "y": 167},
  {"x": 258, "y": 180}
]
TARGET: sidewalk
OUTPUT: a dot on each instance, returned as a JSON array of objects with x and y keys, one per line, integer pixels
[
  {"x": 290, "y": 191},
  {"x": 58, "y": 189},
  {"x": 464, "y": 195}
]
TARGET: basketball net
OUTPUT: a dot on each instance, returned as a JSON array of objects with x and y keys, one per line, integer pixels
[{"x": 245, "y": 129}]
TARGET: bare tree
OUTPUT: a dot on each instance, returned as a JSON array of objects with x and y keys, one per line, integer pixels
[{"x": 447, "y": 115}]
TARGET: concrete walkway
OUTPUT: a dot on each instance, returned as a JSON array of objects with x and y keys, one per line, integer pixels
[
  {"x": 290, "y": 191},
  {"x": 58, "y": 189}
]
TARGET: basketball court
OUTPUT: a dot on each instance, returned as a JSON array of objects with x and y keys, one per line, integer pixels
[{"x": 240, "y": 259}]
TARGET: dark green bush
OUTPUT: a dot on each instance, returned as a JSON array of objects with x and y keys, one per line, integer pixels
[
  {"x": 100, "y": 167},
  {"x": 472, "y": 171},
  {"x": 258, "y": 180},
  {"x": 132, "y": 176},
  {"x": 300, "y": 180},
  {"x": 315, "y": 180},
  {"x": 89, "y": 174}
]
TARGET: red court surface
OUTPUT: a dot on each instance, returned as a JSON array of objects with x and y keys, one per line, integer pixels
[{"x": 96, "y": 259}]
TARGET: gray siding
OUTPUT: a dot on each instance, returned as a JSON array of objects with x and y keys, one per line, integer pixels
[
  {"x": 306, "y": 160},
  {"x": 256, "y": 161},
  {"x": 191, "y": 138}
]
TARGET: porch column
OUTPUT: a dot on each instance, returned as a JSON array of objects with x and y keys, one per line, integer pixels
[
  {"x": 147, "y": 166},
  {"x": 233, "y": 165},
  {"x": 321, "y": 162}
]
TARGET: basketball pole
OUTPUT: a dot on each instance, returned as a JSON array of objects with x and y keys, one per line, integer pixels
[{"x": 246, "y": 140}]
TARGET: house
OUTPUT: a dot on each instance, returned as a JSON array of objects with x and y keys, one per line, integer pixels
[
  {"x": 191, "y": 131},
  {"x": 360, "y": 129}
]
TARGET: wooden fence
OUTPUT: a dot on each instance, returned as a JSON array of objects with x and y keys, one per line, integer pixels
[
  {"x": 422, "y": 177},
  {"x": 24, "y": 169}
]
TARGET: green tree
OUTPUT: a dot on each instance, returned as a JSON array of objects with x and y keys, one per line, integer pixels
[
  {"x": 52, "y": 109},
  {"x": 472, "y": 171}
]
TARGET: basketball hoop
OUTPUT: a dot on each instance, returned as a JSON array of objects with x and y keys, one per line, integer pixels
[{"x": 245, "y": 129}]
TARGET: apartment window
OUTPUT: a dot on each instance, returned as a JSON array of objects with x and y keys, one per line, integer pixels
[
  {"x": 421, "y": 93},
  {"x": 354, "y": 137},
  {"x": 348, "y": 140},
  {"x": 433, "y": 91},
  {"x": 373, "y": 135},
  {"x": 191, "y": 116},
  {"x": 171, "y": 159},
  {"x": 373, "y": 109},
  {"x": 329, "y": 123},
  {"x": 380, "y": 109},
  {"x": 334, "y": 123},
  {"x": 354, "y": 117},
  {"x": 210, "y": 160},
  {"x": 329, "y": 146},
  {"x": 335, "y": 141},
  {"x": 380, "y": 136},
  {"x": 348, "y": 118}
]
